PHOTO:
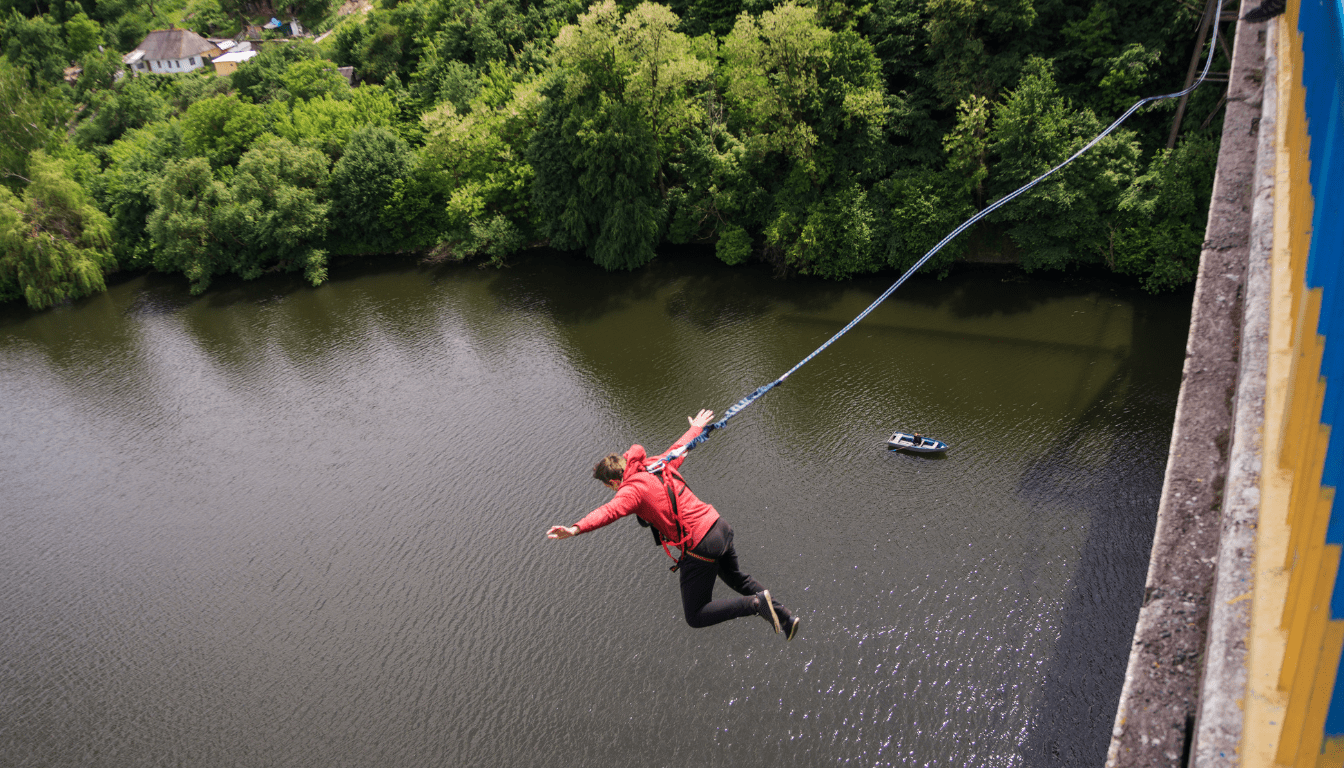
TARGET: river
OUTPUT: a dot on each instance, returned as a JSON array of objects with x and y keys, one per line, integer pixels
[{"x": 283, "y": 526}]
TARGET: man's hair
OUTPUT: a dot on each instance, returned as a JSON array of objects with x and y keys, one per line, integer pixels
[{"x": 612, "y": 467}]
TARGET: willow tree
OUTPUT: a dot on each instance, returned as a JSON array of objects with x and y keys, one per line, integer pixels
[
  {"x": 31, "y": 118},
  {"x": 55, "y": 244}
]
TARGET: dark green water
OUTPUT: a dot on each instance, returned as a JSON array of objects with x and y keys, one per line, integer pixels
[{"x": 279, "y": 526}]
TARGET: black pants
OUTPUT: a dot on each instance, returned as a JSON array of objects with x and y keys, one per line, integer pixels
[{"x": 697, "y": 580}]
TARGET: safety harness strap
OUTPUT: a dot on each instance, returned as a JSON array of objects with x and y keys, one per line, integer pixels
[{"x": 684, "y": 537}]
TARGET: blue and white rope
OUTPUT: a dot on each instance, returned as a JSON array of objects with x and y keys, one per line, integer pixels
[{"x": 749, "y": 399}]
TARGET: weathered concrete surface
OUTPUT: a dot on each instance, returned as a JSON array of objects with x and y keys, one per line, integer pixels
[
  {"x": 1155, "y": 722},
  {"x": 1218, "y": 726}
]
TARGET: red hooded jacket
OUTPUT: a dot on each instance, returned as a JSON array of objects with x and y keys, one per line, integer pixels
[{"x": 642, "y": 494}]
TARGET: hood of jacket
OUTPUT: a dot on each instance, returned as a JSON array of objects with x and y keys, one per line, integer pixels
[{"x": 635, "y": 459}]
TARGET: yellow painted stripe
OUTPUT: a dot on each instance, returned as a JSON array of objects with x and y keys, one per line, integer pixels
[
  {"x": 1265, "y": 703},
  {"x": 1312, "y": 666},
  {"x": 1313, "y": 725},
  {"x": 1305, "y": 387},
  {"x": 1303, "y": 603}
]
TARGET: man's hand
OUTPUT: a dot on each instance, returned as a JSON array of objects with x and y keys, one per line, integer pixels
[
  {"x": 702, "y": 418},
  {"x": 562, "y": 531}
]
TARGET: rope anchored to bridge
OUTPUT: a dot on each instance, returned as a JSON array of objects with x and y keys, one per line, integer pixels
[{"x": 760, "y": 391}]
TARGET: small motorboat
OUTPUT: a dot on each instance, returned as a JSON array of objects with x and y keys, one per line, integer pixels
[{"x": 916, "y": 443}]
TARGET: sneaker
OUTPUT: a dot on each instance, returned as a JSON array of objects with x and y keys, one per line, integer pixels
[
  {"x": 788, "y": 623},
  {"x": 1266, "y": 10},
  {"x": 766, "y": 608}
]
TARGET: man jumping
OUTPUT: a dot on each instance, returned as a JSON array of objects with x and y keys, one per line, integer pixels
[{"x": 662, "y": 500}]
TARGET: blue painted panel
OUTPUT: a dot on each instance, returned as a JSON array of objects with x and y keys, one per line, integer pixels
[
  {"x": 1323, "y": 70},
  {"x": 1322, "y": 25},
  {"x": 1324, "y": 263},
  {"x": 1324, "y": 270}
]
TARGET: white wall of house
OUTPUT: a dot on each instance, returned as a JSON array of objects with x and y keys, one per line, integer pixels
[{"x": 172, "y": 65}]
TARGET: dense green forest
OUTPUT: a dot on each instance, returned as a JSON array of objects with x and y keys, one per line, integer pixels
[{"x": 824, "y": 137}]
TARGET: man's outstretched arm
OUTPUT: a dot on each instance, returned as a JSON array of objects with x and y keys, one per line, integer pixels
[{"x": 697, "y": 421}]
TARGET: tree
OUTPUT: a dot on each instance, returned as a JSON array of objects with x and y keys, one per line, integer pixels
[
  {"x": 262, "y": 78},
  {"x": 314, "y": 78},
  {"x": 82, "y": 35},
  {"x": 594, "y": 187},
  {"x": 837, "y": 237},
  {"x": 718, "y": 197},
  {"x": 272, "y": 215},
  {"x": 182, "y": 229},
  {"x": 665, "y": 70},
  {"x": 132, "y": 103},
  {"x": 31, "y": 118},
  {"x": 327, "y": 124},
  {"x": 1069, "y": 216},
  {"x": 771, "y": 68},
  {"x": 209, "y": 19},
  {"x": 421, "y": 42},
  {"x": 310, "y": 12},
  {"x": 364, "y": 183},
  {"x": 184, "y": 90},
  {"x": 135, "y": 165},
  {"x": 37, "y": 46},
  {"x": 98, "y": 72},
  {"x": 474, "y": 173},
  {"x": 916, "y": 209},
  {"x": 897, "y": 31},
  {"x": 123, "y": 31},
  {"x": 277, "y": 216},
  {"x": 1163, "y": 215},
  {"x": 967, "y": 147},
  {"x": 620, "y": 105},
  {"x": 438, "y": 81},
  {"x": 1125, "y": 78},
  {"x": 809, "y": 107},
  {"x": 221, "y": 128},
  {"x": 976, "y": 45},
  {"x": 55, "y": 244},
  {"x": 375, "y": 47}
]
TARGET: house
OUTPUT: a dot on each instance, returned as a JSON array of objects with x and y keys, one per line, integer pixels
[
  {"x": 170, "y": 50},
  {"x": 228, "y": 63}
]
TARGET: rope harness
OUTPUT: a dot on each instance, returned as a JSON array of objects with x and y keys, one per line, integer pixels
[{"x": 684, "y": 539}]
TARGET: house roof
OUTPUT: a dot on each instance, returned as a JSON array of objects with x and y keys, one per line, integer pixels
[
  {"x": 163, "y": 44},
  {"x": 238, "y": 56}
]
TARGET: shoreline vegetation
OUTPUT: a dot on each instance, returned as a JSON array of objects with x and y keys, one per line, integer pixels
[{"x": 830, "y": 138}]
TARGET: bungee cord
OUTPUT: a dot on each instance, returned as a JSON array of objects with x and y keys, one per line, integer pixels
[{"x": 755, "y": 395}]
